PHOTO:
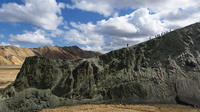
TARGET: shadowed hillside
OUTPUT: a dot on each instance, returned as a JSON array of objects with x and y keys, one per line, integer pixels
[{"x": 162, "y": 70}]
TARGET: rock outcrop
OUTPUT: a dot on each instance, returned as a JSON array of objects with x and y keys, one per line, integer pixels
[
  {"x": 162, "y": 70},
  {"x": 11, "y": 55}
]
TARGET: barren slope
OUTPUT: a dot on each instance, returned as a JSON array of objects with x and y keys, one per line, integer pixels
[{"x": 10, "y": 55}]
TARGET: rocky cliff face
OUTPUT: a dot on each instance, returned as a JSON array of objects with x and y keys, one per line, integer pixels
[
  {"x": 10, "y": 55},
  {"x": 162, "y": 70}
]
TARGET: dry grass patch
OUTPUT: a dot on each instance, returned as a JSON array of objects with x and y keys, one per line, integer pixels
[{"x": 123, "y": 108}]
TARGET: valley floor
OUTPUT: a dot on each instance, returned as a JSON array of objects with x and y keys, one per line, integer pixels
[{"x": 123, "y": 108}]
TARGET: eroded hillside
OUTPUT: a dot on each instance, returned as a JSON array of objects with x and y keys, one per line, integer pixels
[{"x": 162, "y": 70}]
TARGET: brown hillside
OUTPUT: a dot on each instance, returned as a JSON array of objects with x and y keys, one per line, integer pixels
[{"x": 10, "y": 55}]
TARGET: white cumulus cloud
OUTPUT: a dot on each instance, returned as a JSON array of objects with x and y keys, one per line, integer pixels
[
  {"x": 37, "y": 37},
  {"x": 138, "y": 24},
  {"x": 84, "y": 35},
  {"x": 44, "y": 13}
]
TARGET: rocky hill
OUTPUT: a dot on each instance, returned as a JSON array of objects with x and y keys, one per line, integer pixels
[
  {"x": 10, "y": 55},
  {"x": 163, "y": 70}
]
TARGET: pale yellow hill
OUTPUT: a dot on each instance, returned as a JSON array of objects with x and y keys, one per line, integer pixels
[{"x": 10, "y": 55}]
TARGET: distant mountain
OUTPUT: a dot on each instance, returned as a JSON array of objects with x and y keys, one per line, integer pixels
[{"x": 10, "y": 55}]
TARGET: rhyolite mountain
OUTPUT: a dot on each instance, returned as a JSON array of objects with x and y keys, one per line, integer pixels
[
  {"x": 11, "y": 55},
  {"x": 162, "y": 70}
]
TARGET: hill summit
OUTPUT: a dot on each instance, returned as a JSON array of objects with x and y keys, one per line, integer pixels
[{"x": 162, "y": 70}]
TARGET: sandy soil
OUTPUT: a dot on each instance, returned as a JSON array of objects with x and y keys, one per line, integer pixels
[
  {"x": 8, "y": 75},
  {"x": 123, "y": 108}
]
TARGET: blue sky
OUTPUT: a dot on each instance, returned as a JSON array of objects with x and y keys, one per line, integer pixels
[{"x": 100, "y": 25}]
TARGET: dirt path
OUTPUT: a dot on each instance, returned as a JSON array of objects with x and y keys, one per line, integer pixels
[
  {"x": 8, "y": 75},
  {"x": 123, "y": 108}
]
